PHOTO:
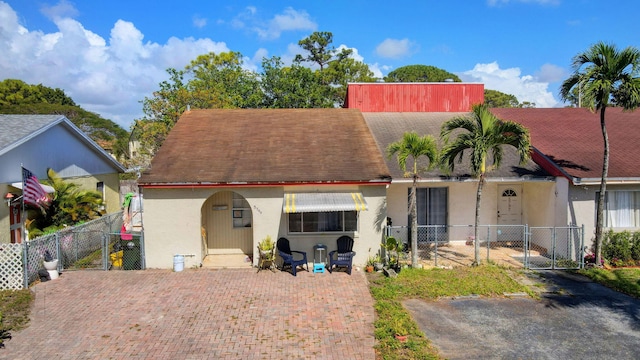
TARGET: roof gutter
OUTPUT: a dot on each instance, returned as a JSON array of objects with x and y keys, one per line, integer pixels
[
  {"x": 238, "y": 184},
  {"x": 612, "y": 181}
]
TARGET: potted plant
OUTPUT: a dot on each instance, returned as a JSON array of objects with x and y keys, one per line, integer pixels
[
  {"x": 400, "y": 331},
  {"x": 394, "y": 249},
  {"x": 266, "y": 250},
  {"x": 369, "y": 265},
  {"x": 377, "y": 263},
  {"x": 49, "y": 262}
]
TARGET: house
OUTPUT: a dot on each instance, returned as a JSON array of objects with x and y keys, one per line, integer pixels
[
  {"x": 224, "y": 180},
  {"x": 568, "y": 144},
  {"x": 513, "y": 194},
  {"x": 39, "y": 142}
]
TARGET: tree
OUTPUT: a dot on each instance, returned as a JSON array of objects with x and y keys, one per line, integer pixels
[
  {"x": 497, "y": 99},
  {"x": 70, "y": 205},
  {"x": 292, "y": 86},
  {"x": 605, "y": 77},
  {"x": 483, "y": 134},
  {"x": 413, "y": 146},
  {"x": 420, "y": 73},
  {"x": 18, "y": 97}
]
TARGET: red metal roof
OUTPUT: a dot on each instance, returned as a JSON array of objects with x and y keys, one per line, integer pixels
[{"x": 414, "y": 97}]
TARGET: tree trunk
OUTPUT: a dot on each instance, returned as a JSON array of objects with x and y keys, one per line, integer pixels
[
  {"x": 414, "y": 224},
  {"x": 476, "y": 240},
  {"x": 603, "y": 189}
]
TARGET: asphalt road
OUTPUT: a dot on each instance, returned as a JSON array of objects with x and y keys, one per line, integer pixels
[{"x": 576, "y": 319}]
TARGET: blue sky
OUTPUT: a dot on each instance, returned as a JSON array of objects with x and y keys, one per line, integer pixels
[{"x": 110, "y": 55}]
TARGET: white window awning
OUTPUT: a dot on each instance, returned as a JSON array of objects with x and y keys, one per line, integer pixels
[
  {"x": 47, "y": 188},
  {"x": 323, "y": 202}
]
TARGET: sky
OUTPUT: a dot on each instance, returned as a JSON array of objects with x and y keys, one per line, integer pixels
[{"x": 109, "y": 55}]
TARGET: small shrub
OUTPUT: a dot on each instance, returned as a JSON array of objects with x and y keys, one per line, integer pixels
[
  {"x": 635, "y": 246},
  {"x": 617, "y": 246}
]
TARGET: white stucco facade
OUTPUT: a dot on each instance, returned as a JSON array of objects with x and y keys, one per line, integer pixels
[{"x": 173, "y": 221}]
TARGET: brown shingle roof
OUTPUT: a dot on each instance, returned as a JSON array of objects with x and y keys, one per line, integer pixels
[
  {"x": 268, "y": 146},
  {"x": 388, "y": 127},
  {"x": 572, "y": 139}
]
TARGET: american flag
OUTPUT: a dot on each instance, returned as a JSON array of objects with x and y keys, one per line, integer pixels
[{"x": 32, "y": 191}]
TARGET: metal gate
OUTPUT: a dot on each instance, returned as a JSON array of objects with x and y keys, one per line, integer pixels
[{"x": 556, "y": 247}]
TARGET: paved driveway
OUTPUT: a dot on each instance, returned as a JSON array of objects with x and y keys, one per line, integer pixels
[
  {"x": 578, "y": 319},
  {"x": 198, "y": 314}
]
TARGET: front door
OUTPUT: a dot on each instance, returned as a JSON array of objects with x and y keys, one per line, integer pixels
[
  {"x": 509, "y": 213},
  {"x": 15, "y": 223}
]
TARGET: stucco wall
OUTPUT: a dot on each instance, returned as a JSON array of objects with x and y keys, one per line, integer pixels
[
  {"x": 582, "y": 208},
  {"x": 172, "y": 222},
  {"x": 539, "y": 203}
]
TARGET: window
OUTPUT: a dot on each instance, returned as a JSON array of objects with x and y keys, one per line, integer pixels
[
  {"x": 241, "y": 212},
  {"x": 313, "y": 222},
  {"x": 432, "y": 209},
  {"x": 621, "y": 208}
]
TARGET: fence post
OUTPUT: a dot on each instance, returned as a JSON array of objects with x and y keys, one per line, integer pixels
[
  {"x": 582, "y": 248},
  {"x": 553, "y": 247},
  {"x": 525, "y": 245},
  {"x": 25, "y": 264},
  {"x": 436, "y": 248},
  {"x": 58, "y": 256},
  {"x": 488, "y": 240}
]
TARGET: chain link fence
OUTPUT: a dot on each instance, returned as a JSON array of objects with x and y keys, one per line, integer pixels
[
  {"x": 97, "y": 244},
  {"x": 508, "y": 245}
]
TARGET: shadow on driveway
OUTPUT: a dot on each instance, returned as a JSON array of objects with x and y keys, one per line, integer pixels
[{"x": 578, "y": 320}]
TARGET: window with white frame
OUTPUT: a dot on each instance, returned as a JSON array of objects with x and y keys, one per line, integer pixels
[
  {"x": 621, "y": 208},
  {"x": 314, "y": 222},
  {"x": 241, "y": 212}
]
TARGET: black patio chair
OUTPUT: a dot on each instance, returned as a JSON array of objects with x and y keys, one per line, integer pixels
[
  {"x": 343, "y": 257},
  {"x": 287, "y": 255}
]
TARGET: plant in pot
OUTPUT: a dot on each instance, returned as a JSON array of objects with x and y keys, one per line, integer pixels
[
  {"x": 394, "y": 250},
  {"x": 377, "y": 263},
  {"x": 267, "y": 255},
  {"x": 399, "y": 329},
  {"x": 369, "y": 265},
  {"x": 49, "y": 262}
]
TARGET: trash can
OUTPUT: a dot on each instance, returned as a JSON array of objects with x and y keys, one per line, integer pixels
[{"x": 131, "y": 253}]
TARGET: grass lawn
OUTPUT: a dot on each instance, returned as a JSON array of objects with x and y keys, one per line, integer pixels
[
  {"x": 14, "y": 310},
  {"x": 624, "y": 280},
  {"x": 391, "y": 317}
]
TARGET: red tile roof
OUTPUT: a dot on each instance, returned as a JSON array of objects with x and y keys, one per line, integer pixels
[
  {"x": 267, "y": 146},
  {"x": 572, "y": 139}
]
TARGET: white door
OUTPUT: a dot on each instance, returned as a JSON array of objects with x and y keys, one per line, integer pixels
[{"x": 509, "y": 212}]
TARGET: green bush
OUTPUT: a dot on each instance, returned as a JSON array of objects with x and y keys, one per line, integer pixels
[{"x": 621, "y": 248}]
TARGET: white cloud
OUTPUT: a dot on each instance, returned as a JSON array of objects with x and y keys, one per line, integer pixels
[
  {"x": 510, "y": 81},
  {"x": 63, "y": 9},
  {"x": 551, "y": 73},
  {"x": 109, "y": 77},
  {"x": 289, "y": 20},
  {"x": 199, "y": 21},
  {"x": 394, "y": 48}
]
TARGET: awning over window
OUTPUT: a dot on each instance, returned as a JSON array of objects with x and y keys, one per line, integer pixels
[
  {"x": 47, "y": 188},
  {"x": 323, "y": 202}
]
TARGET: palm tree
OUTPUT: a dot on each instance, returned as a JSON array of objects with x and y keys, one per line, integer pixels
[
  {"x": 483, "y": 134},
  {"x": 604, "y": 76},
  {"x": 70, "y": 205},
  {"x": 414, "y": 146}
]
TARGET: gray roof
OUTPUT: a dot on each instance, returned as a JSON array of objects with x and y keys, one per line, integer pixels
[
  {"x": 388, "y": 127},
  {"x": 15, "y": 129},
  {"x": 18, "y": 129}
]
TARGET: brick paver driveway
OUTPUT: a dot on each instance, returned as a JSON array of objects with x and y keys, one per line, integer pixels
[{"x": 198, "y": 314}]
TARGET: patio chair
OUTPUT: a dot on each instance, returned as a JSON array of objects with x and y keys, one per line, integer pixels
[
  {"x": 343, "y": 257},
  {"x": 287, "y": 255}
]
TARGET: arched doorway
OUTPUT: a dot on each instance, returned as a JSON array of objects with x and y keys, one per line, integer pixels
[{"x": 227, "y": 234}]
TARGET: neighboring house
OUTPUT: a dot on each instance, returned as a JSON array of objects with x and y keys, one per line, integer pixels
[
  {"x": 39, "y": 142},
  {"x": 568, "y": 144},
  {"x": 224, "y": 180},
  {"x": 513, "y": 194}
]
